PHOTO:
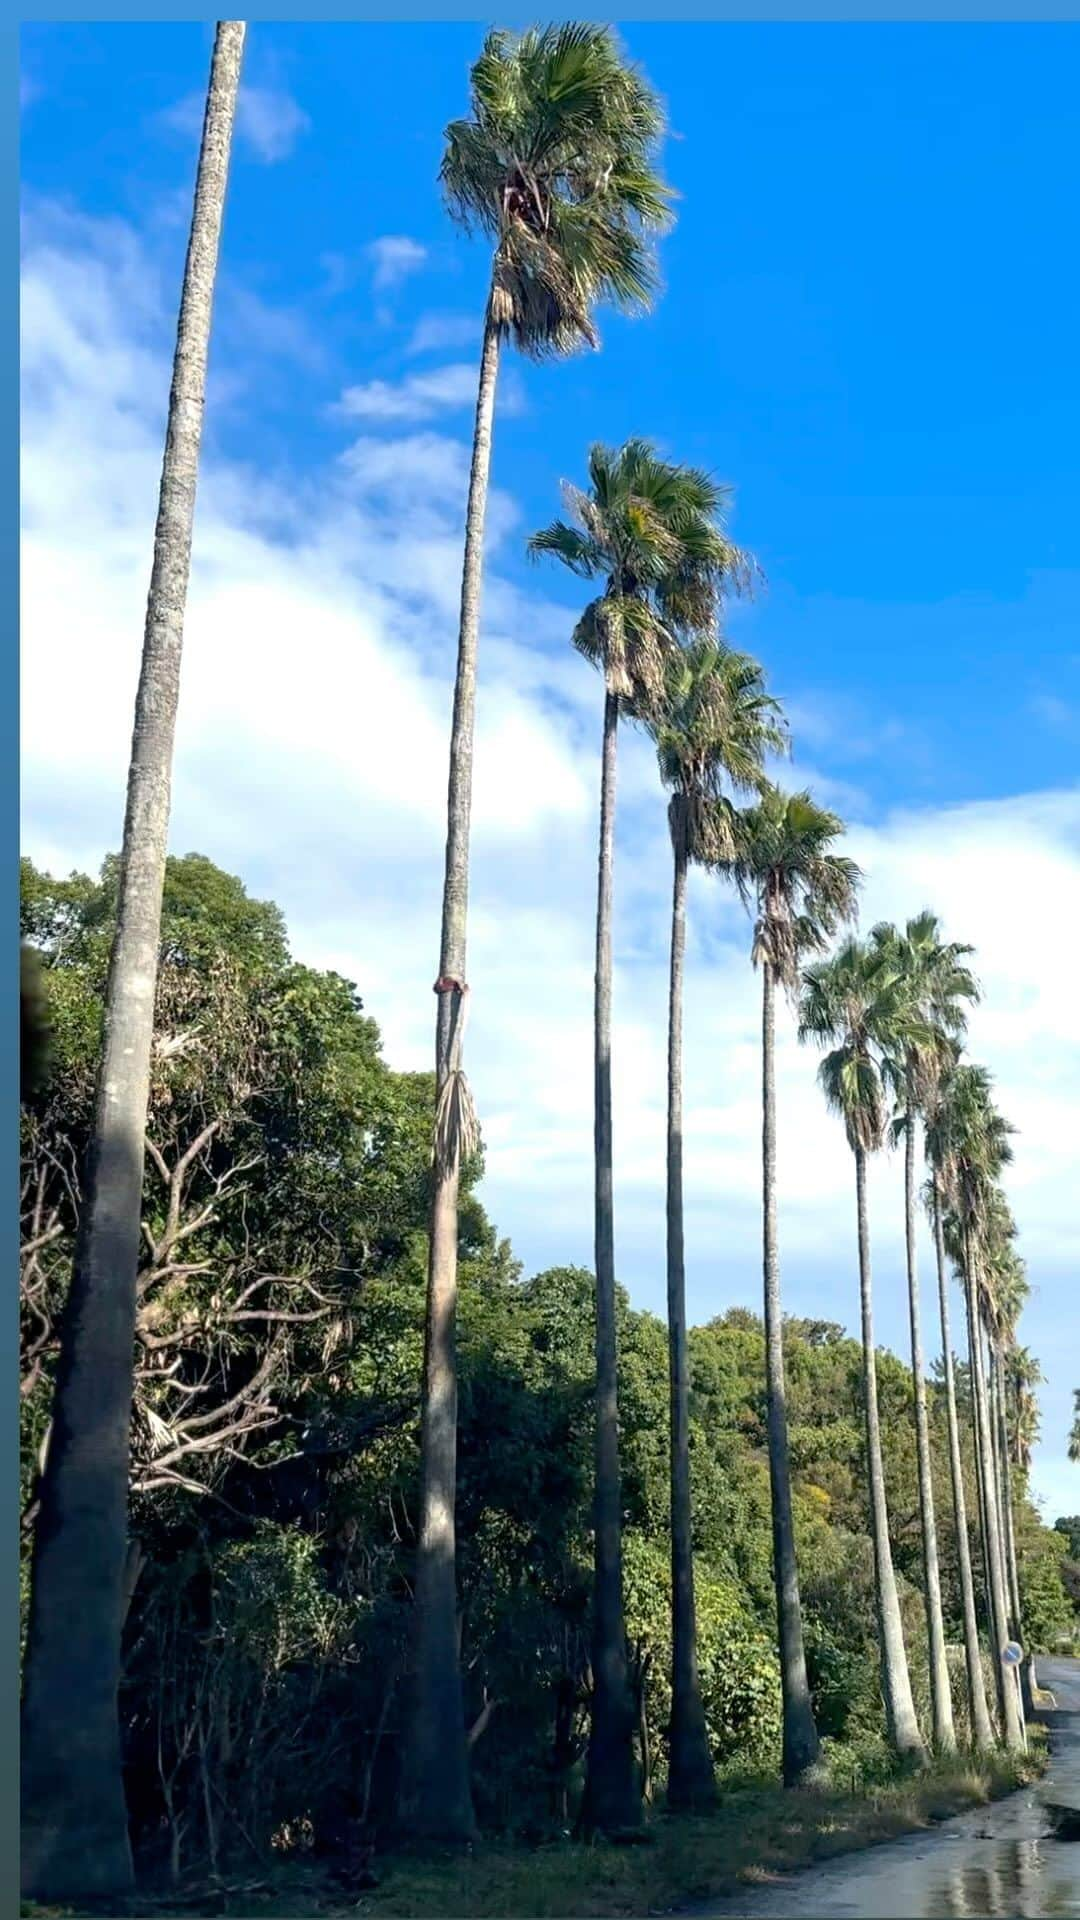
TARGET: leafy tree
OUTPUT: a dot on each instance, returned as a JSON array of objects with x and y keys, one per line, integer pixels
[
  {"x": 851, "y": 1000},
  {"x": 74, "y": 1827},
  {"x": 650, "y": 530},
  {"x": 1069, "y": 1528},
  {"x": 556, "y": 166},
  {"x": 715, "y": 726},
  {"x": 799, "y": 891}
]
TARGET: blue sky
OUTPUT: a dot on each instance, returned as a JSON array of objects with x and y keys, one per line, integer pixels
[{"x": 868, "y": 327}]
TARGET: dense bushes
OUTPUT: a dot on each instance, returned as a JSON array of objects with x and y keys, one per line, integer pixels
[{"x": 274, "y": 1479}]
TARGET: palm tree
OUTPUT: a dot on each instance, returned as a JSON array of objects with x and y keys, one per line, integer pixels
[
  {"x": 977, "y": 1150},
  {"x": 854, "y": 1001},
  {"x": 650, "y": 530},
  {"x": 936, "y": 982},
  {"x": 555, "y": 166},
  {"x": 716, "y": 724},
  {"x": 799, "y": 892},
  {"x": 938, "y": 1123},
  {"x": 1007, "y": 1292},
  {"x": 74, "y": 1820}
]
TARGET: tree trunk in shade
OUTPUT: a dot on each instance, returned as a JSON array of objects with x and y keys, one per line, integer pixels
[
  {"x": 940, "y": 1694},
  {"x": 800, "y": 1738},
  {"x": 612, "y": 1794},
  {"x": 982, "y": 1732},
  {"x": 691, "y": 1781},
  {"x": 1008, "y": 1696},
  {"x": 436, "y": 1801},
  {"x": 74, "y": 1819},
  {"x": 902, "y": 1725}
]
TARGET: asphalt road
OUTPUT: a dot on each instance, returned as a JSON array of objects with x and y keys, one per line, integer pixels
[{"x": 997, "y": 1863}]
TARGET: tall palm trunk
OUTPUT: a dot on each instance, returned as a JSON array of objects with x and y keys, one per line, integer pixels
[
  {"x": 1026, "y": 1670},
  {"x": 940, "y": 1696},
  {"x": 1012, "y": 1571},
  {"x": 984, "y": 1529},
  {"x": 800, "y": 1739},
  {"x": 74, "y": 1820},
  {"x": 903, "y": 1727},
  {"x": 1007, "y": 1694},
  {"x": 612, "y": 1797},
  {"x": 691, "y": 1781},
  {"x": 437, "y": 1798},
  {"x": 1015, "y": 1677},
  {"x": 986, "y": 1356},
  {"x": 981, "y": 1730}
]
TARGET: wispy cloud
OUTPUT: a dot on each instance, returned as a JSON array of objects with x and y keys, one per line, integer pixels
[
  {"x": 418, "y": 397},
  {"x": 260, "y": 328},
  {"x": 394, "y": 257},
  {"x": 443, "y": 332},
  {"x": 1055, "y": 713},
  {"x": 268, "y": 120}
]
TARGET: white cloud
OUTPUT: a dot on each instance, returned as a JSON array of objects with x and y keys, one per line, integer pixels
[
  {"x": 394, "y": 257},
  {"x": 268, "y": 120},
  {"x": 420, "y": 396},
  {"x": 443, "y": 332},
  {"x": 417, "y": 397},
  {"x": 311, "y": 758}
]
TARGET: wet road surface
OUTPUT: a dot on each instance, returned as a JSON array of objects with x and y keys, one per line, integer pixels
[{"x": 1001, "y": 1861}]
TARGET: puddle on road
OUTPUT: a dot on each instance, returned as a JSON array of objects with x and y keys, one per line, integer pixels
[
  {"x": 961, "y": 1876},
  {"x": 995, "y": 1863},
  {"x": 999, "y": 1862},
  {"x": 1019, "y": 1883}
]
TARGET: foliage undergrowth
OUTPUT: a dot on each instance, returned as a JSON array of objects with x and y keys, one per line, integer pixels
[{"x": 758, "y": 1831}]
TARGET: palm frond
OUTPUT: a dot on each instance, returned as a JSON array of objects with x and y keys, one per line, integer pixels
[{"x": 556, "y": 164}]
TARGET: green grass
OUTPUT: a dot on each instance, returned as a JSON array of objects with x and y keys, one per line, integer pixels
[{"x": 757, "y": 1832}]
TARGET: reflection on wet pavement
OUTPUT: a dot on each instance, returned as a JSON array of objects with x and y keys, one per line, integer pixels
[{"x": 1000, "y": 1862}]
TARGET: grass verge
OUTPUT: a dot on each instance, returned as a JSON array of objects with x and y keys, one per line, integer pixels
[{"x": 755, "y": 1833}]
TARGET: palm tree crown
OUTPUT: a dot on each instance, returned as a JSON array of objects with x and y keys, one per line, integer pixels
[
  {"x": 556, "y": 164},
  {"x": 717, "y": 722},
  {"x": 854, "y": 999},
  {"x": 936, "y": 982},
  {"x": 652, "y": 530},
  {"x": 799, "y": 891}
]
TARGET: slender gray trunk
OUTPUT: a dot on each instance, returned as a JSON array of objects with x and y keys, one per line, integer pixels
[
  {"x": 986, "y": 1357},
  {"x": 800, "y": 1739},
  {"x": 901, "y": 1723},
  {"x": 982, "y": 1733},
  {"x": 1028, "y": 1678},
  {"x": 1016, "y": 1674},
  {"x": 1007, "y": 1694},
  {"x": 436, "y": 1801},
  {"x": 1006, "y": 1495},
  {"x": 612, "y": 1795},
  {"x": 984, "y": 1531},
  {"x": 941, "y": 1698},
  {"x": 691, "y": 1781},
  {"x": 74, "y": 1820}
]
